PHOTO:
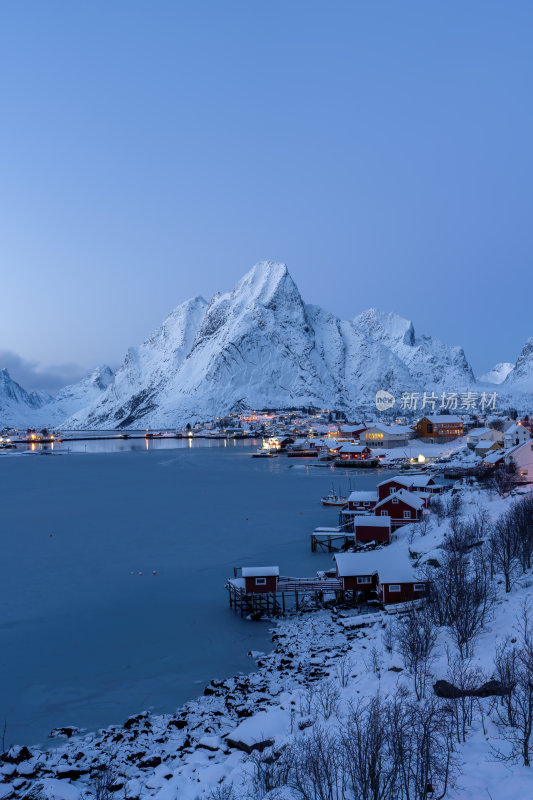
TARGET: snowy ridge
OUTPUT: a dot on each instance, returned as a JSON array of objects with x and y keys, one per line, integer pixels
[
  {"x": 498, "y": 373},
  {"x": 17, "y": 406},
  {"x": 262, "y": 346}
]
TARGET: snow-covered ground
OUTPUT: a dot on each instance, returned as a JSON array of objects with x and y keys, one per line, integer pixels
[{"x": 322, "y": 662}]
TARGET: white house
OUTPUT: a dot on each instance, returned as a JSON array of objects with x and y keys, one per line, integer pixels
[
  {"x": 485, "y": 434},
  {"x": 515, "y": 435},
  {"x": 522, "y": 457}
]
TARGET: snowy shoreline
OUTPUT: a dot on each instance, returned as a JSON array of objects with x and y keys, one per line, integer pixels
[{"x": 321, "y": 663}]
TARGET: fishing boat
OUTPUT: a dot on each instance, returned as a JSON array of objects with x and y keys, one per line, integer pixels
[
  {"x": 334, "y": 498},
  {"x": 264, "y": 454}
]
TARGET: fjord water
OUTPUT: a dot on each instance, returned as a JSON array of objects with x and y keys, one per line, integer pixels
[{"x": 88, "y": 634}]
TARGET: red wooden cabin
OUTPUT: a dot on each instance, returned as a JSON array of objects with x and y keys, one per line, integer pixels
[
  {"x": 258, "y": 580},
  {"x": 368, "y": 528},
  {"x": 402, "y": 507}
]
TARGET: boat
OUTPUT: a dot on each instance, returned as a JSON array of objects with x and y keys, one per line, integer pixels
[
  {"x": 334, "y": 498},
  {"x": 264, "y": 454}
]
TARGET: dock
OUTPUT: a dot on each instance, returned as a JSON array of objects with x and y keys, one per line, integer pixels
[
  {"x": 330, "y": 540},
  {"x": 289, "y": 594}
]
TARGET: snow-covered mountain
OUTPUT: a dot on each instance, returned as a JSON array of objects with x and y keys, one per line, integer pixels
[
  {"x": 498, "y": 373},
  {"x": 521, "y": 376},
  {"x": 17, "y": 406},
  {"x": 261, "y": 346},
  {"x": 72, "y": 399}
]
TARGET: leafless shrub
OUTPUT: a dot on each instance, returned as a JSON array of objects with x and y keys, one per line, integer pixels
[
  {"x": 466, "y": 677},
  {"x": 224, "y": 791},
  {"x": 343, "y": 668},
  {"x": 415, "y": 635},
  {"x": 514, "y": 663},
  {"x": 326, "y": 699}
]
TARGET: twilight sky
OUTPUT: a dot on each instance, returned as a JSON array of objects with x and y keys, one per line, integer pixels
[{"x": 151, "y": 151}]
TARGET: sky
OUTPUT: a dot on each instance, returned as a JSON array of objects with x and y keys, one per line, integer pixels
[{"x": 154, "y": 151}]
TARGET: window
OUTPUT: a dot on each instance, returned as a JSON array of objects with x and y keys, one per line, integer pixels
[
  {"x": 392, "y": 489},
  {"x": 419, "y": 587},
  {"x": 384, "y": 514},
  {"x": 395, "y": 500},
  {"x": 364, "y": 579},
  {"x": 394, "y": 587},
  {"x": 407, "y": 515},
  {"x": 260, "y": 581}
]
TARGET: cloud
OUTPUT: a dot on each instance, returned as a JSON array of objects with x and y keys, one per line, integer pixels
[{"x": 33, "y": 376}]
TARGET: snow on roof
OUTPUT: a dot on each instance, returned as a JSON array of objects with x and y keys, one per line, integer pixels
[
  {"x": 414, "y": 480},
  {"x": 353, "y": 448},
  {"x": 362, "y": 496},
  {"x": 391, "y": 566},
  {"x": 398, "y": 430},
  {"x": 260, "y": 572},
  {"x": 406, "y": 497},
  {"x": 479, "y": 431},
  {"x": 349, "y": 564},
  {"x": 371, "y": 522},
  {"x": 493, "y": 458},
  {"x": 440, "y": 418}
]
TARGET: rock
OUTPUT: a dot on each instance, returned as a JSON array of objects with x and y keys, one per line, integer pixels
[
  {"x": 177, "y": 723},
  {"x": 152, "y": 761},
  {"x": 16, "y": 754},
  {"x": 6, "y": 791},
  {"x": 443, "y": 688},
  {"x": 67, "y": 731},
  {"x": 133, "y": 721}
]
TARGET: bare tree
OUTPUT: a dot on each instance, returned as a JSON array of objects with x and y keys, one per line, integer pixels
[
  {"x": 416, "y": 635},
  {"x": 466, "y": 677},
  {"x": 515, "y": 663},
  {"x": 504, "y": 550}
]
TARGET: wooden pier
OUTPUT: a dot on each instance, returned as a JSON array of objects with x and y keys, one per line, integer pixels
[
  {"x": 289, "y": 595},
  {"x": 331, "y": 540}
]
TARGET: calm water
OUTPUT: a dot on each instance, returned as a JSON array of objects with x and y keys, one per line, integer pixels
[{"x": 87, "y": 640}]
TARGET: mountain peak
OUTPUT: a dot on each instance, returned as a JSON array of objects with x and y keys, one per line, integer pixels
[{"x": 263, "y": 282}]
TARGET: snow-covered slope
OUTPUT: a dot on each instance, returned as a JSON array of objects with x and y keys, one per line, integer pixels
[
  {"x": 498, "y": 373},
  {"x": 262, "y": 346},
  {"x": 17, "y": 406},
  {"x": 79, "y": 395},
  {"x": 521, "y": 377}
]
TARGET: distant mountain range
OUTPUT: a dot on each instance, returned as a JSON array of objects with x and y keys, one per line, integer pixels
[{"x": 261, "y": 346}]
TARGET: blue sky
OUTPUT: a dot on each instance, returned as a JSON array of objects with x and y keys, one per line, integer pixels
[{"x": 152, "y": 151}]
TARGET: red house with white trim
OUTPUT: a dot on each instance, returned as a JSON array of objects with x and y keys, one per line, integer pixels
[
  {"x": 402, "y": 507},
  {"x": 260, "y": 579}
]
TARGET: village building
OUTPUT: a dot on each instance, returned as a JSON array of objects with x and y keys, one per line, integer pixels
[
  {"x": 385, "y": 572},
  {"x": 361, "y": 500},
  {"x": 414, "y": 483},
  {"x": 439, "y": 428},
  {"x": 353, "y": 452},
  {"x": 260, "y": 579},
  {"x": 483, "y": 434},
  {"x": 367, "y": 529},
  {"x": 386, "y": 436},
  {"x": 521, "y": 457},
  {"x": 515, "y": 435},
  {"x": 402, "y": 507},
  {"x": 485, "y": 446}
]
